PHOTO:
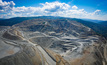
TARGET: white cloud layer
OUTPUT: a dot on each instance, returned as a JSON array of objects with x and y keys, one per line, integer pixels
[
  {"x": 6, "y": 6},
  {"x": 97, "y": 12},
  {"x": 74, "y": 7},
  {"x": 56, "y": 8}
]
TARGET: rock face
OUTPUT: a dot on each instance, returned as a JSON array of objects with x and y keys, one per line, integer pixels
[
  {"x": 101, "y": 53},
  {"x": 49, "y": 42},
  {"x": 27, "y": 56},
  {"x": 93, "y": 55},
  {"x": 16, "y": 50},
  {"x": 63, "y": 36}
]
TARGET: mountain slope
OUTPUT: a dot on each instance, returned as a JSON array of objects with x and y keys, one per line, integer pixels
[
  {"x": 72, "y": 40},
  {"x": 103, "y": 23},
  {"x": 15, "y": 51},
  {"x": 12, "y": 21},
  {"x": 91, "y": 20},
  {"x": 62, "y": 36},
  {"x": 49, "y": 41},
  {"x": 100, "y": 29}
]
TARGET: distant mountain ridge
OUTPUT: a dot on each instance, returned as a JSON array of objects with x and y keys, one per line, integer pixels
[
  {"x": 12, "y": 21},
  {"x": 91, "y": 20},
  {"x": 104, "y": 23},
  {"x": 1, "y": 19}
]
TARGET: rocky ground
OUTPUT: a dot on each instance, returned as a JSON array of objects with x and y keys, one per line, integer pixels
[
  {"x": 51, "y": 42},
  {"x": 16, "y": 50}
]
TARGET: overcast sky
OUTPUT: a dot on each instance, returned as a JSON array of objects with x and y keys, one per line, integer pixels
[{"x": 90, "y": 9}]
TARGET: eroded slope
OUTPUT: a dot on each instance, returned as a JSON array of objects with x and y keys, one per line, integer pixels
[{"x": 17, "y": 50}]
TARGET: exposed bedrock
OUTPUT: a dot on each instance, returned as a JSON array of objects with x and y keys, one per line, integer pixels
[
  {"x": 49, "y": 42},
  {"x": 27, "y": 56},
  {"x": 16, "y": 50}
]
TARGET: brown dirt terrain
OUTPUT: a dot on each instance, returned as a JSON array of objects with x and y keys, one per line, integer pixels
[{"x": 58, "y": 58}]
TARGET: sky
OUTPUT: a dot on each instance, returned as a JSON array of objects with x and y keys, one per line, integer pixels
[{"x": 89, "y": 9}]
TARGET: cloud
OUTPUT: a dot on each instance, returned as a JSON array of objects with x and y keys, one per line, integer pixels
[
  {"x": 6, "y": 6},
  {"x": 74, "y": 7},
  {"x": 56, "y": 8},
  {"x": 97, "y": 12}
]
